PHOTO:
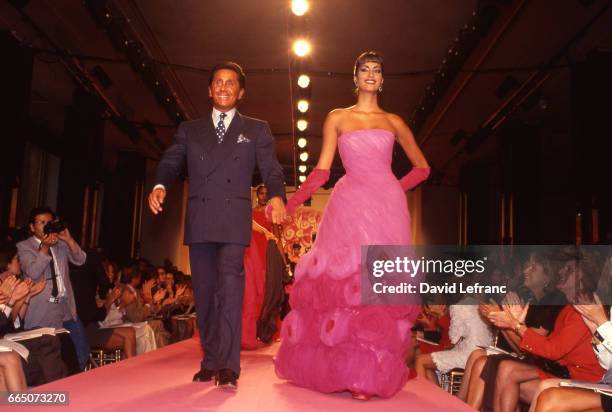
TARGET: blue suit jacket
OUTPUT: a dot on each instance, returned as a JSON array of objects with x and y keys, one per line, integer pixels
[{"x": 220, "y": 176}]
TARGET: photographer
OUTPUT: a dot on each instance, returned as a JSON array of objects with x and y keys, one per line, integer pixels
[{"x": 45, "y": 255}]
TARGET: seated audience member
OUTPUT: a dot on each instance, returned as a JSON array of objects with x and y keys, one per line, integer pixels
[
  {"x": 467, "y": 331},
  {"x": 546, "y": 301},
  {"x": 45, "y": 256},
  {"x": 565, "y": 353},
  {"x": 44, "y": 363},
  {"x": 431, "y": 325},
  {"x": 563, "y": 399},
  {"x": 91, "y": 281},
  {"x": 136, "y": 309}
]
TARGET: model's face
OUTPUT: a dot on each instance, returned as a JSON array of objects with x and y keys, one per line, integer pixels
[
  {"x": 225, "y": 90},
  {"x": 39, "y": 224},
  {"x": 369, "y": 77}
]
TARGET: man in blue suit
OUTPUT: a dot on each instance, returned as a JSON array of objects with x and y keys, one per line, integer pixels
[{"x": 221, "y": 151}]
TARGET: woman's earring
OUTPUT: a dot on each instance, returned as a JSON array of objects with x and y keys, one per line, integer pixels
[{"x": 380, "y": 89}]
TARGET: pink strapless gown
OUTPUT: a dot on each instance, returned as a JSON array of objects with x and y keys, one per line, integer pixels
[{"x": 330, "y": 342}]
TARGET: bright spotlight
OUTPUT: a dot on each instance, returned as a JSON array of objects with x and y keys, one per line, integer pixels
[
  {"x": 302, "y": 142},
  {"x": 301, "y": 47},
  {"x": 302, "y": 125},
  {"x": 304, "y": 156},
  {"x": 299, "y": 7},
  {"x": 302, "y": 168},
  {"x": 303, "y": 81},
  {"x": 302, "y": 105}
]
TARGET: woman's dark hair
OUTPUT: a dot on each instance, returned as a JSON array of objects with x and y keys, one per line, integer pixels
[
  {"x": 590, "y": 264},
  {"x": 369, "y": 56},
  {"x": 130, "y": 272},
  {"x": 7, "y": 252},
  {"x": 229, "y": 66}
]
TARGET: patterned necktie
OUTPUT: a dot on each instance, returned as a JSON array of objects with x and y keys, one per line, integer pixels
[{"x": 220, "y": 129}]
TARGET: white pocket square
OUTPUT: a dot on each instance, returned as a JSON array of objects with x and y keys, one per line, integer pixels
[{"x": 243, "y": 139}]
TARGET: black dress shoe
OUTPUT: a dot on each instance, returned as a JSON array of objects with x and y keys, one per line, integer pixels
[
  {"x": 226, "y": 379},
  {"x": 204, "y": 375}
]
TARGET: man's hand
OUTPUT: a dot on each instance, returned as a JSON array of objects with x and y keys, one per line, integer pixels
[
  {"x": 65, "y": 236},
  {"x": 594, "y": 313},
  {"x": 278, "y": 212},
  {"x": 49, "y": 240},
  {"x": 156, "y": 199}
]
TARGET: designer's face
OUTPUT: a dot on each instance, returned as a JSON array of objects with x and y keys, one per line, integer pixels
[
  {"x": 369, "y": 77},
  {"x": 225, "y": 90}
]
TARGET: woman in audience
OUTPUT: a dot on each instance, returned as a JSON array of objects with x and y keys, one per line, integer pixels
[
  {"x": 540, "y": 280},
  {"x": 563, "y": 399},
  {"x": 123, "y": 338},
  {"x": 44, "y": 363},
  {"x": 12, "y": 377},
  {"x": 467, "y": 331},
  {"x": 431, "y": 325},
  {"x": 565, "y": 353}
]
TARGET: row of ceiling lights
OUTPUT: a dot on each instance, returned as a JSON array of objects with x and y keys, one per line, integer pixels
[{"x": 301, "y": 49}]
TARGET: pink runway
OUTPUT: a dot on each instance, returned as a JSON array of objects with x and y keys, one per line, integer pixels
[{"x": 161, "y": 381}]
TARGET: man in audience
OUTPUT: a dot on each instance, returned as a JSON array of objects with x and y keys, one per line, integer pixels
[{"x": 45, "y": 255}]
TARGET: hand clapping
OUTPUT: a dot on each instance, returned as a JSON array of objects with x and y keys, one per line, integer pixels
[{"x": 593, "y": 314}]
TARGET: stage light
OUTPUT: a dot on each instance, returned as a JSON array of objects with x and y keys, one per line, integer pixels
[
  {"x": 299, "y": 7},
  {"x": 302, "y": 142},
  {"x": 303, "y": 81},
  {"x": 302, "y": 168},
  {"x": 304, "y": 156},
  {"x": 302, "y": 178},
  {"x": 302, "y": 105},
  {"x": 301, "y": 47},
  {"x": 302, "y": 125}
]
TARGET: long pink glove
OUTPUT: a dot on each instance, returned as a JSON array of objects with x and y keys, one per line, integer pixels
[
  {"x": 414, "y": 177},
  {"x": 315, "y": 180}
]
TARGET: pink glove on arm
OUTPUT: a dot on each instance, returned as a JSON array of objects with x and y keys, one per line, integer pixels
[
  {"x": 315, "y": 180},
  {"x": 414, "y": 177}
]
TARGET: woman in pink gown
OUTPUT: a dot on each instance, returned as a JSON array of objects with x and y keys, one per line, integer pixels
[
  {"x": 255, "y": 271},
  {"x": 330, "y": 341}
]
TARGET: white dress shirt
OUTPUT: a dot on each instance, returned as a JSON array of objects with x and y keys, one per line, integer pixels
[
  {"x": 216, "y": 116},
  {"x": 61, "y": 288}
]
